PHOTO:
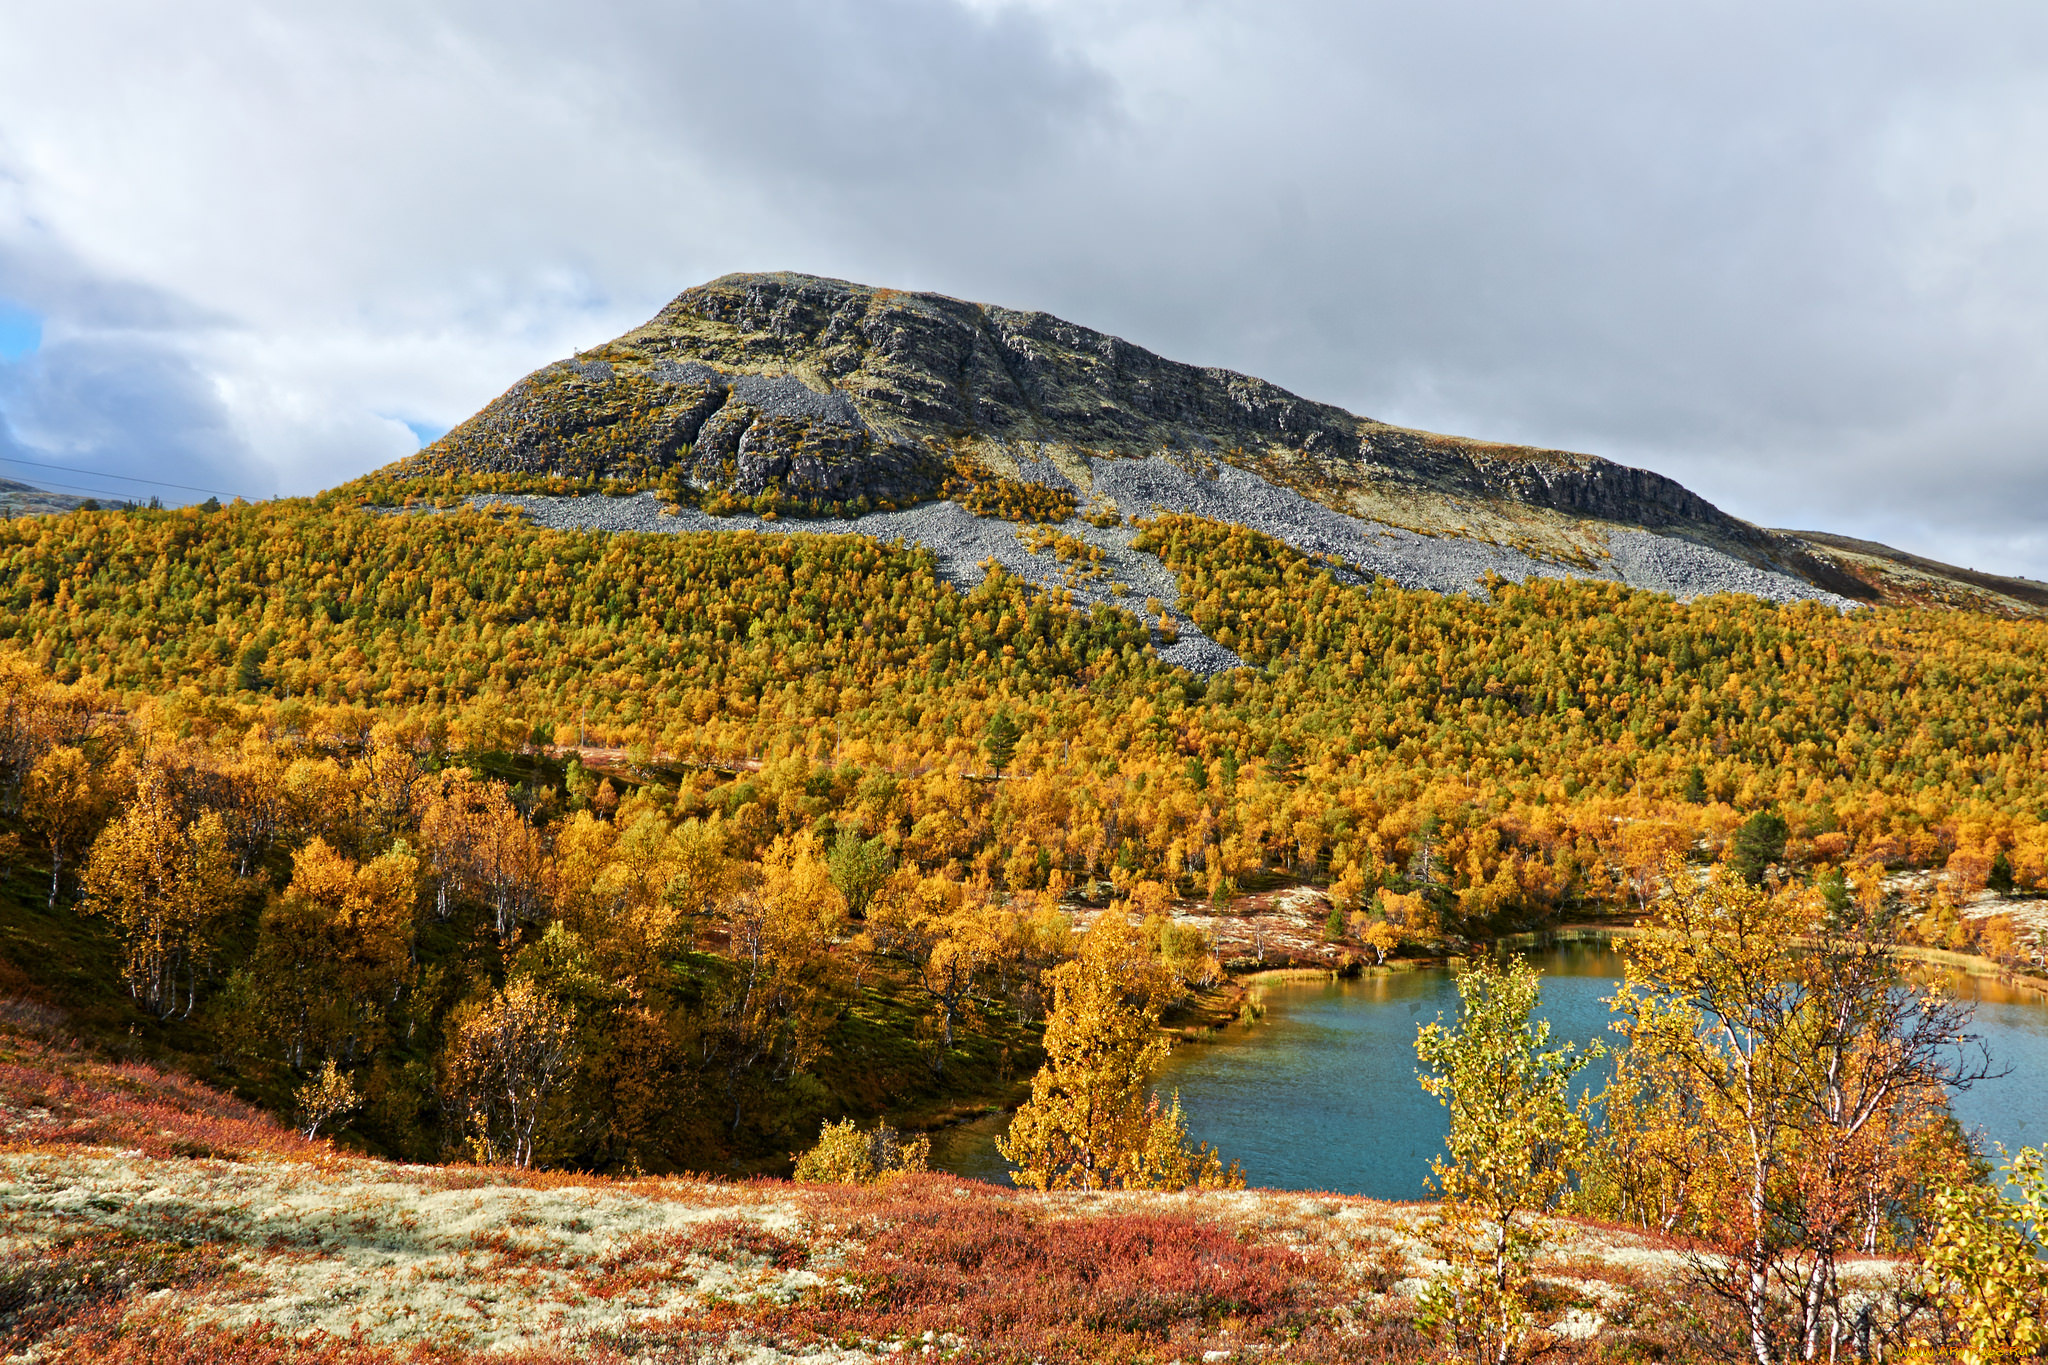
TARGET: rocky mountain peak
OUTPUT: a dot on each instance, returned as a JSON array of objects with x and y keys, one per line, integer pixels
[{"x": 845, "y": 394}]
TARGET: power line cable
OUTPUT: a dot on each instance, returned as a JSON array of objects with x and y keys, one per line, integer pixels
[{"x": 99, "y": 474}]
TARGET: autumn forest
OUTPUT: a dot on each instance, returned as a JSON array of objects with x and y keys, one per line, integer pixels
[{"x": 461, "y": 839}]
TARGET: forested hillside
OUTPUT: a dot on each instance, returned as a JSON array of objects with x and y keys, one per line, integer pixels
[{"x": 297, "y": 784}]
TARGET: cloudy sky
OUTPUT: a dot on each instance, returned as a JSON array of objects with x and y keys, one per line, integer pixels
[{"x": 1794, "y": 254}]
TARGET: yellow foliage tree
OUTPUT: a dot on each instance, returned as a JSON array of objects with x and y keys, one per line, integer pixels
[
  {"x": 949, "y": 935},
  {"x": 796, "y": 884},
  {"x": 336, "y": 946},
  {"x": 1410, "y": 914},
  {"x": 64, "y": 797},
  {"x": 1188, "y": 953},
  {"x": 387, "y": 780},
  {"x": 635, "y": 892},
  {"x": 165, "y": 884},
  {"x": 325, "y": 1098},
  {"x": 1982, "y": 1267},
  {"x": 1515, "y": 1141},
  {"x": 1794, "y": 1081},
  {"x": 1089, "y": 1123},
  {"x": 479, "y": 845},
  {"x": 1351, "y": 888},
  {"x": 767, "y": 1019},
  {"x": 509, "y": 1059},
  {"x": 1641, "y": 849},
  {"x": 1375, "y": 934}
]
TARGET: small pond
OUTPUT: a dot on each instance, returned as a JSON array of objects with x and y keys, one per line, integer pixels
[{"x": 1321, "y": 1094}]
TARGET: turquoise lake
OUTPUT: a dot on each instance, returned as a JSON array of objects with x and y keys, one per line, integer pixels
[{"x": 1321, "y": 1094}]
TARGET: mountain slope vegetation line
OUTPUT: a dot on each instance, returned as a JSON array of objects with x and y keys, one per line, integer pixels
[
  {"x": 818, "y": 396},
  {"x": 1477, "y": 753}
]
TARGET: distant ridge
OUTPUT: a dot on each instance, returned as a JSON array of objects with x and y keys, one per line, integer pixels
[
  {"x": 26, "y": 500},
  {"x": 1900, "y": 578}
]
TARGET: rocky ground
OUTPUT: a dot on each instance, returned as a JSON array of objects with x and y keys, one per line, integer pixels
[
  {"x": 961, "y": 541},
  {"x": 1264, "y": 931},
  {"x": 26, "y": 500},
  {"x": 1442, "y": 563},
  {"x": 1364, "y": 550},
  {"x": 1909, "y": 580}
]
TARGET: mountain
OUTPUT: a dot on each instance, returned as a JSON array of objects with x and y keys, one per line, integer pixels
[
  {"x": 853, "y": 397},
  {"x": 26, "y": 500},
  {"x": 454, "y": 836},
  {"x": 1900, "y": 579}
]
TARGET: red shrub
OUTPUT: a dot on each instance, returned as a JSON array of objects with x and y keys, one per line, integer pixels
[
  {"x": 737, "y": 1239},
  {"x": 51, "y": 1095},
  {"x": 103, "y": 1339},
  {"x": 46, "y": 1285},
  {"x": 106, "y": 1340},
  {"x": 1018, "y": 1280}
]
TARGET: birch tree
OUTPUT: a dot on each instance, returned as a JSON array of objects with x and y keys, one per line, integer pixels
[
  {"x": 1514, "y": 1145},
  {"x": 63, "y": 798},
  {"x": 1810, "y": 1075},
  {"x": 508, "y": 1060},
  {"x": 1090, "y": 1123},
  {"x": 334, "y": 951},
  {"x": 165, "y": 884}
]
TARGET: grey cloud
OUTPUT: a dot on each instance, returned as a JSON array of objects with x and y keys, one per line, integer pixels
[
  {"x": 875, "y": 96},
  {"x": 88, "y": 301},
  {"x": 120, "y": 394},
  {"x": 130, "y": 413}
]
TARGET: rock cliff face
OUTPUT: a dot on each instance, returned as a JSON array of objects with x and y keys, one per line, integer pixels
[
  {"x": 823, "y": 390},
  {"x": 631, "y": 415}
]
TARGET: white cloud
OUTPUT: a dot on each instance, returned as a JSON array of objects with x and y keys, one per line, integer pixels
[{"x": 1796, "y": 256}]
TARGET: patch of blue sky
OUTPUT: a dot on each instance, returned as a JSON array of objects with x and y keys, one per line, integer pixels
[
  {"x": 21, "y": 332},
  {"x": 426, "y": 432}
]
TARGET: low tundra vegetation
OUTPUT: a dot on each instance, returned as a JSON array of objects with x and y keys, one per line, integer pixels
[
  {"x": 347, "y": 1260},
  {"x": 1765, "y": 1176}
]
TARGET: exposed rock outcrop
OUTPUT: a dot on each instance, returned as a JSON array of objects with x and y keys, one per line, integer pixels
[
  {"x": 827, "y": 391},
  {"x": 26, "y": 500},
  {"x": 740, "y": 432}
]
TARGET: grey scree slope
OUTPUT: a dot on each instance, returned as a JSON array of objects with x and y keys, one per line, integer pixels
[{"x": 962, "y": 542}]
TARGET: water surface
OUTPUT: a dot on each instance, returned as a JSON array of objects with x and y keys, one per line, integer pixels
[{"x": 1322, "y": 1095}]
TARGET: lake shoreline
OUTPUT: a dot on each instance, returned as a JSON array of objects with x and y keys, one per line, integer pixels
[
  {"x": 1321, "y": 1038},
  {"x": 1970, "y": 964}
]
